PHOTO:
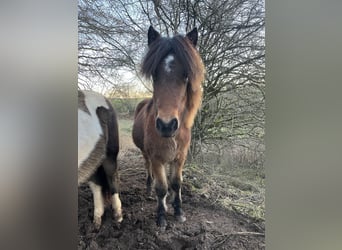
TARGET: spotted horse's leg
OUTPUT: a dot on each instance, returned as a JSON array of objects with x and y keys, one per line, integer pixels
[
  {"x": 112, "y": 179},
  {"x": 98, "y": 203}
]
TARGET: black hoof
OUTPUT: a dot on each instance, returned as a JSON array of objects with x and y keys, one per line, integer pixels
[
  {"x": 179, "y": 214},
  {"x": 161, "y": 223},
  {"x": 149, "y": 192}
]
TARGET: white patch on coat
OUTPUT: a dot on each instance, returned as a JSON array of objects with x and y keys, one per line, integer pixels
[
  {"x": 168, "y": 60},
  {"x": 89, "y": 128}
]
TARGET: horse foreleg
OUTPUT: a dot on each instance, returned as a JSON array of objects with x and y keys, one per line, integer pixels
[
  {"x": 176, "y": 184},
  {"x": 98, "y": 203},
  {"x": 159, "y": 175}
]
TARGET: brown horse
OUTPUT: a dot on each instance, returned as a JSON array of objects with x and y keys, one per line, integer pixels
[{"x": 162, "y": 124}]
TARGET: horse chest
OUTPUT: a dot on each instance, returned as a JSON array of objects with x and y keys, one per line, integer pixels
[{"x": 164, "y": 150}]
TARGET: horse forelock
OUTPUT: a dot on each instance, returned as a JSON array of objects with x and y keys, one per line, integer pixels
[
  {"x": 188, "y": 56},
  {"x": 180, "y": 47}
]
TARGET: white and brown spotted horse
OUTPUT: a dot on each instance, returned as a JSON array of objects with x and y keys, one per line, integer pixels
[{"x": 98, "y": 147}]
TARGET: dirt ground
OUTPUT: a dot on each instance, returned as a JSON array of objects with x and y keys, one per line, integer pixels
[{"x": 207, "y": 226}]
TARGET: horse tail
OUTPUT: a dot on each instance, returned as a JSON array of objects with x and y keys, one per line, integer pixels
[
  {"x": 112, "y": 150},
  {"x": 113, "y": 133}
]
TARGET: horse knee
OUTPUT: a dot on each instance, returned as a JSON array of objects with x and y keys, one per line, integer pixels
[
  {"x": 176, "y": 185},
  {"x": 161, "y": 190}
]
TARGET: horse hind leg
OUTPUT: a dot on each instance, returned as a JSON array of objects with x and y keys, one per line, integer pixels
[
  {"x": 98, "y": 203},
  {"x": 112, "y": 178}
]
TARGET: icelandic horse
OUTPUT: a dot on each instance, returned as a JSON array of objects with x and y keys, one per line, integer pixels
[
  {"x": 98, "y": 148},
  {"x": 162, "y": 124}
]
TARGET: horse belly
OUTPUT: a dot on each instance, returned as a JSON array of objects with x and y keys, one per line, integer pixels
[{"x": 89, "y": 133}]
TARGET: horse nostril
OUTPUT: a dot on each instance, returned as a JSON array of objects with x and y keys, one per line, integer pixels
[
  {"x": 174, "y": 124},
  {"x": 159, "y": 124}
]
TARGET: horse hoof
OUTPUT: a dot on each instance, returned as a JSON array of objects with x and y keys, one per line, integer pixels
[
  {"x": 118, "y": 217},
  {"x": 150, "y": 195},
  {"x": 162, "y": 228},
  {"x": 161, "y": 223},
  {"x": 97, "y": 223},
  {"x": 180, "y": 218},
  {"x": 149, "y": 191}
]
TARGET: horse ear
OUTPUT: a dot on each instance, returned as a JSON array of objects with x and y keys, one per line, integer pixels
[
  {"x": 193, "y": 36},
  {"x": 152, "y": 35}
]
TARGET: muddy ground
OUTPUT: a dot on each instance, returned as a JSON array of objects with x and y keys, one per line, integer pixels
[{"x": 207, "y": 226}]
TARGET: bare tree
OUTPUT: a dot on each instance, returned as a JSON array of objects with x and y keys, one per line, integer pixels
[{"x": 112, "y": 39}]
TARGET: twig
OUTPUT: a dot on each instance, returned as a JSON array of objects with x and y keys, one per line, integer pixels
[
  {"x": 247, "y": 233},
  {"x": 241, "y": 233}
]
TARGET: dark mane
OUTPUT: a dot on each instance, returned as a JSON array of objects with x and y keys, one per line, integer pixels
[{"x": 182, "y": 48}]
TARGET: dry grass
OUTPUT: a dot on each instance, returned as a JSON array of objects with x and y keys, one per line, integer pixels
[
  {"x": 234, "y": 182},
  {"x": 125, "y": 133}
]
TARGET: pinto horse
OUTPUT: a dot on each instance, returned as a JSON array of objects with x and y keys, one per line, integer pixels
[
  {"x": 162, "y": 124},
  {"x": 98, "y": 147}
]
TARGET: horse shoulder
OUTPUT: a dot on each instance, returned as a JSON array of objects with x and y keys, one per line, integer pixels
[{"x": 139, "y": 126}]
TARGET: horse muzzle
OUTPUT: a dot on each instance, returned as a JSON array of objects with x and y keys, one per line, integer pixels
[{"x": 167, "y": 129}]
